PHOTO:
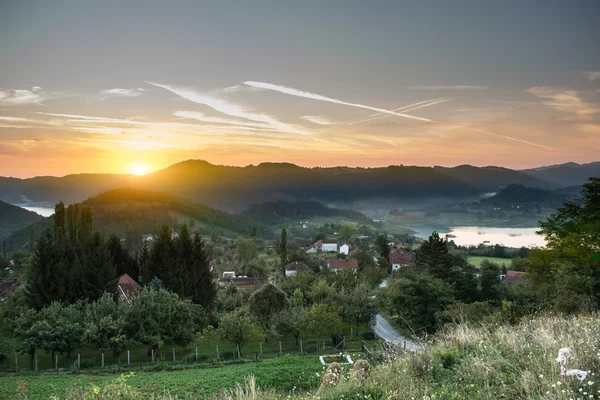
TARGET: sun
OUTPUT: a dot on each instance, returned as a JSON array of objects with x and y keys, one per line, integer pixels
[{"x": 139, "y": 169}]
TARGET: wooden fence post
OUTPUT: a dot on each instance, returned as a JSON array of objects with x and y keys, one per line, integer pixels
[
  {"x": 280, "y": 352},
  {"x": 301, "y": 347},
  {"x": 78, "y": 361},
  {"x": 36, "y": 364},
  {"x": 128, "y": 358},
  {"x": 239, "y": 353},
  {"x": 217, "y": 352},
  {"x": 56, "y": 363},
  {"x": 261, "y": 356},
  {"x": 16, "y": 363},
  {"x": 174, "y": 354},
  {"x": 196, "y": 353},
  {"x": 102, "y": 360},
  {"x": 152, "y": 354}
]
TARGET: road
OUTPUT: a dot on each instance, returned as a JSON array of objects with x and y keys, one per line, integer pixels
[{"x": 384, "y": 330}]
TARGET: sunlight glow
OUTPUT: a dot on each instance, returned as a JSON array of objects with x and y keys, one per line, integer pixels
[{"x": 139, "y": 169}]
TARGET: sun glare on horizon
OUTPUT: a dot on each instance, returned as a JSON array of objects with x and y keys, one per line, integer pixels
[{"x": 139, "y": 169}]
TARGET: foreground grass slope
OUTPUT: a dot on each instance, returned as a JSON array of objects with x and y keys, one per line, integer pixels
[{"x": 505, "y": 362}]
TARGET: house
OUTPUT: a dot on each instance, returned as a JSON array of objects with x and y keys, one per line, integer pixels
[
  {"x": 344, "y": 249},
  {"x": 318, "y": 245},
  {"x": 227, "y": 275},
  {"x": 147, "y": 238},
  {"x": 329, "y": 246},
  {"x": 246, "y": 282},
  {"x": 515, "y": 277},
  {"x": 311, "y": 250},
  {"x": 8, "y": 286},
  {"x": 399, "y": 260},
  {"x": 295, "y": 267},
  {"x": 337, "y": 264},
  {"x": 354, "y": 251},
  {"x": 124, "y": 287}
]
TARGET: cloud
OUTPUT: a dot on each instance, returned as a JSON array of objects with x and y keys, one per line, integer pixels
[
  {"x": 226, "y": 107},
  {"x": 592, "y": 75},
  {"x": 123, "y": 92},
  {"x": 448, "y": 87},
  {"x": 319, "y": 120},
  {"x": 198, "y": 116},
  {"x": 567, "y": 101},
  {"x": 18, "y": 97},
  {"x": 308, "y": 95},
  {"x": 411, "y": 107}
]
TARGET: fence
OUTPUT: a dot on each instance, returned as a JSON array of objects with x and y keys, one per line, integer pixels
[{"x": 139, "y": 358}]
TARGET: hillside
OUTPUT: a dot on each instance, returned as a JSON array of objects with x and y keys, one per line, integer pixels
[
  {"x": 281, "y": 210},
  {"x": 567, "y": 174},
  {"x": 13, "y": 218},
  {"x": 519, "y": 195},
  {"x": 493, "y": 179},
  {"x": 113, "y": 210}
]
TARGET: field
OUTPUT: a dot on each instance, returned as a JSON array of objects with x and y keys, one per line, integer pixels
[
  {"x": 477, "y": 260},
  {"x": 284, "y": 374}
]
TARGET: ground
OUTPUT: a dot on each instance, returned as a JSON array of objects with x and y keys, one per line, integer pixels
[{"x": 476, "y": 261}]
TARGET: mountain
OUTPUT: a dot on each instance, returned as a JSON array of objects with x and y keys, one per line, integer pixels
[
  {"x": 113, "y": 211},
  {"x": 568, "y": 174},
  {"x": 519, "y": 195},
  {"x": 493, "y": 179},
  {"x": 280, "y": 210},
  {"x": 234, "y": 189},
  {"x": 13, "y": 218}
]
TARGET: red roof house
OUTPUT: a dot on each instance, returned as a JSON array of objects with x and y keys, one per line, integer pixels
[
  {"x": 125, "y": 287},
  {"x": 337, "y": 264},
  {"x": 515, "y": 277}
]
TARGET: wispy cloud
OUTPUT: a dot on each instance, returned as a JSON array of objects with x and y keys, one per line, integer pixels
[
  {"x": 592, "y": 75},
  {"x": 566, "y": 101},
  {"x": 314, "y": 96},
  {"x": 17, "y": 97},
  {"x": 198, "y": 116},
  {"x": 123, "y": 92},
  {"x": 411, "y": 107},
  {"x": 229, "y": 108},
  {"x": 319, "y": 120},
  {"x": 448, "y": 87}
]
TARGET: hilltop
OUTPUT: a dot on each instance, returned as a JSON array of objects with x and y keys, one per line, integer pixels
[
  {"x": 13, "y": 218},
  {"x": 281, "y": 210},
  {"x": 149, "y": 210},
  {"x": 236, "y": 188}
]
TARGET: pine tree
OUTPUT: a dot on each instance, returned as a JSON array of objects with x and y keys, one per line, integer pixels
[
  {"x": 283, "y": 249},
  {"x": 59, "y": 220},
  {"x": 202, "y": 287},
  {"x": 434, "y": 258}
]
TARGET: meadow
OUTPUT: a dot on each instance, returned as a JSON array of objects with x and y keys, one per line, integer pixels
[{"x": 477, "y": 260}]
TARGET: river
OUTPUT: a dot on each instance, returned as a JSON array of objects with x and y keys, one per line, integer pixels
[
  {"x": 43, "y": 211},
  {"x": 510, "y": 237}
]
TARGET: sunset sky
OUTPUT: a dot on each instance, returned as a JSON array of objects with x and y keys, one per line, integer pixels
[{"x": 134, "y": 86}]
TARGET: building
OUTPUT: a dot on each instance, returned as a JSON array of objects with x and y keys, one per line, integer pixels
[
  {"x": 246, "y": 282},
  {"x": 337, "y": 264},
  {"x": 329, "y": 246},
  {"x": 295, "y": 267},
  {"x": 515, "y": 277},
  {"x": 311, "y": 250},
  {"x": 399, "y": 260},
  {"x": 227, "y": 275},
  {"x": 124, "y": 287},
  {"x": 344, "y": 249}
]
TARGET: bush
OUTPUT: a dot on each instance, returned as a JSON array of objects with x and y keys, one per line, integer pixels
[{"x": 368, "y": 335}]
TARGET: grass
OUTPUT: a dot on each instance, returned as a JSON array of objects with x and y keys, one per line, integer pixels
[
  {"x": 477, "y": 260},
  {"x": 464, "y": 362}
]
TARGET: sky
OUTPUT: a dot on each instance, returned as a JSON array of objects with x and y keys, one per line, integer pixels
[{"x": 135, "y": 86}]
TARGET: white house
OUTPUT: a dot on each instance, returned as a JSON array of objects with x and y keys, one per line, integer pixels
[
  {"x": 311, "y": 250},
  {"x": 295, "y": 267},
  {"x": 344, "y": 249},
  {"x": 329, "y": 246},
  {"x": 399, "y": 260}
]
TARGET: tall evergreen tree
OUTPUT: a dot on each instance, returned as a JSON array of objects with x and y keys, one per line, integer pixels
[
  {"x": 59, "y": 220},
  {"x": 433, "y": 257},
  {"x": 283, "y": 250},
  {"x": 202, "y": 288},
  {"x": 163, "y": 255}
]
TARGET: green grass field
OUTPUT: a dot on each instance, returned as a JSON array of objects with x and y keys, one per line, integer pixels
[
  {"x": 476, "y": 261},
  {"x": 284, "y": 374}
]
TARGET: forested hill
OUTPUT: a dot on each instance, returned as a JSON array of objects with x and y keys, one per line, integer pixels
[
  {"x": 13, "y": 218},
  {"x": 281, "y": 210},
  {"x": 147, "y": 211},
  {"x": 519, "y": 195},
  {"x": 236, "y": 188}
]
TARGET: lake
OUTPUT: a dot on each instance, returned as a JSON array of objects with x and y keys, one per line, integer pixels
[{"x": 510, "y": 237}]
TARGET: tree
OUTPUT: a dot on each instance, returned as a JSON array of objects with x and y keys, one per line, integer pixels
[
  {"x": 358, "y": 306},
  {"x": 433, "y": 256},
  {"x": 162, "y": 255},
  {"x": 381, "y": 241},
  {"x": 265, "y": 303},
  {"x": 235, "y": 327},
  {"x": 201, "y": 287},
  {"x": 324, "y": 320},
  {"x": 59, "y": 220},
  {"x": 106, "y": 322},
  {"x": 490, "y": 281},
  {"x": 246, "y": 250},
  {"x": 253, "y": 232},
  {"x": 283, "y": 250},
  {"x": 416, "y": 298},
  {"x": 291, "y": 321},
  {"x": 347, "y": 232}
]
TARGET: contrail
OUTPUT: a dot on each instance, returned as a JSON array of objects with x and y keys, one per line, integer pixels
[
  {"x": 308, "y": 95},
  {"x": 410, "y": 105},
  {"x": 512, "y": 138},
  {"x": 406, "y": 108}
]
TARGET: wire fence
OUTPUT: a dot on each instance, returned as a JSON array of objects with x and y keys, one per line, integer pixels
[{"x": 145, "y": 358}]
